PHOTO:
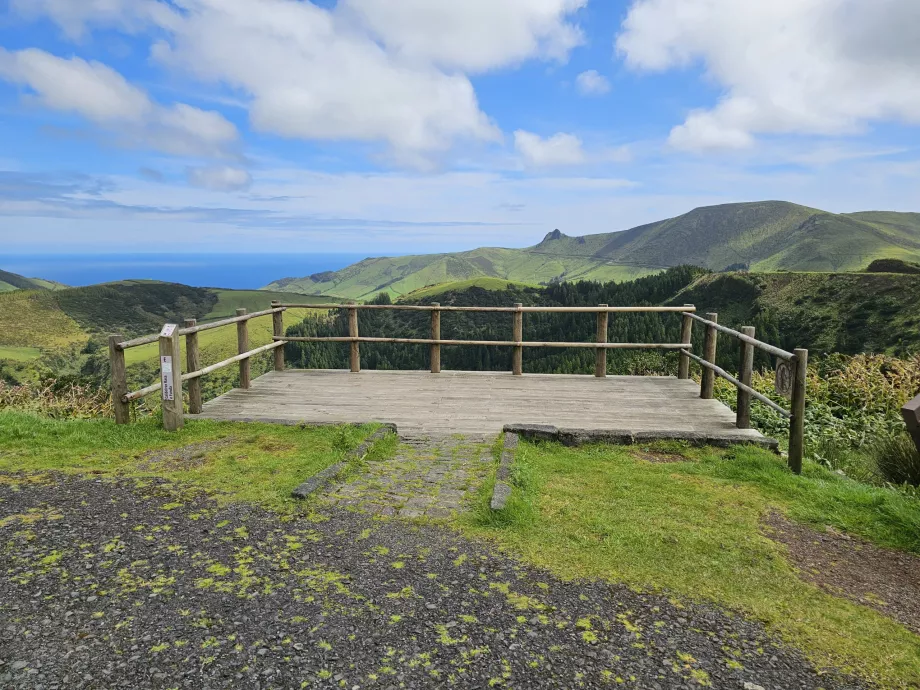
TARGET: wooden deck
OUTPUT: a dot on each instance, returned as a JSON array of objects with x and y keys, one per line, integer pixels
[{"x": 475, "y": 403}]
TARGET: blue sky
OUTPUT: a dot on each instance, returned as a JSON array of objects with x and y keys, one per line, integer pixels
[{"x": 402, "y": 126}]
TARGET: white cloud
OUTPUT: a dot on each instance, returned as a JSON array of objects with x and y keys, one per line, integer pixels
[
  {"x": 100, "y": 94},
  {"x": 219, "y": 179},
  {"x": 472, "y": 35},
  {"x": 366, "y": 70},
  {"x": 559, "y": 149},
  {"x": 592, "y": 83},
  {"x": 788, "y": 66}
]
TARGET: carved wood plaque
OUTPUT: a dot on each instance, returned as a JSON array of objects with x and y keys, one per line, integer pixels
[{"x": 785, "y": 373}]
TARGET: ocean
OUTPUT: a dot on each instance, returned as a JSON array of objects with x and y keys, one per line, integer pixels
[{"x": 239, "y": 271}]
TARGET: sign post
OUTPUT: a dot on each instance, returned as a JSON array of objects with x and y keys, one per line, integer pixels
[
  {"x": 911, "y": 414},
  {"x": 171, "y": 377}
]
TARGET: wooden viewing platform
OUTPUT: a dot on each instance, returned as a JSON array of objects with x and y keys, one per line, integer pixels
[
  {"x": 481, "y": 403},
  {"x": 619, "y": 408}
]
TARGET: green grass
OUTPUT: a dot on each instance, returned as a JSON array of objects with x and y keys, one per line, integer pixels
[
  {"x": 228, "y": 301},
  {"x": 35, "y": 319},
  {"x": 692, "y": 529},
  {"x": 257, "y": 463},
  {"x": 20, "y": 354},
  {"x": 484, "y": 282}
]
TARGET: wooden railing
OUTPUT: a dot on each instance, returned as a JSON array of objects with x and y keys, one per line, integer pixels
[
  {"x": 792, "y": 367},
  {"x": 792, "y": 371},
  {"x": 171, "y": 376},
  {"x": 517, "y": 342}
]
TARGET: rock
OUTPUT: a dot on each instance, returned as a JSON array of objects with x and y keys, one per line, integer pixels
[
  {"x": 753, "y": 686},
  {"x": 18, "y": 665}
]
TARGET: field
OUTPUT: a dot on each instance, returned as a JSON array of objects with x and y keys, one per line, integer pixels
[
  {"x": 228, "y": 301},
  {"x": 36, "y": 320},
  {"x": 20, "y": 354},
  {"x": 494, "y": 284}
]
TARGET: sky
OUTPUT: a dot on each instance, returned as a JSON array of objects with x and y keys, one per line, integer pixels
[{"x": 410, "y": 126}]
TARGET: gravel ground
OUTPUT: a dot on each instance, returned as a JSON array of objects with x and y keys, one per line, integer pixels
[{"x": 123, "y": 584}]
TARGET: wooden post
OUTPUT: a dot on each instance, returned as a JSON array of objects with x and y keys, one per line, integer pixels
[
  {"x": 436, "y": 335},
  {"x": 171, "y": 377},
  {"x": 278, "y": 330},
  {"x": 745, "y": 374},
  {"x": 686, "y": 337},
  {"x": 193, "y": 363},
  {"x": 600, "y": 354},
  {"x": 119, "y": 380},
  {"x": 709, "y": 354},
  {"x": 517, "y": 335},
  {"x": 242, "y": 343},
  {"x": 355, "y": 354},
  {"x": 797, "y": 423}
]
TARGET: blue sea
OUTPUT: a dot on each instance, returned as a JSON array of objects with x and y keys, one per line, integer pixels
[{"x": 239, "y": 271}]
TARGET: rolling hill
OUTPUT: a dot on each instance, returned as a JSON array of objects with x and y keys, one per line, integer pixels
[
  {"x": 760, "y": 236},
  {"x": 13, "y": 281}
]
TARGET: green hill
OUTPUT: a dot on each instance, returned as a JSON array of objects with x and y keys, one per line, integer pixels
[
  {"x": 760, "y": 236},
  {"x": 14, "y": 281},
  {"x": 495, "y": 284}
]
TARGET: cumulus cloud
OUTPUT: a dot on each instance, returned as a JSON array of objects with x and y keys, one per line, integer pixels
[
  {"x": 103, "y": 96},
  {"x": 365, "y": 70},
  {"x": 219, "y": 179},
  {"x": 824, "y": 67},
  {"x": 592, "y": 83},
  {"x": 557, "y": 150}
]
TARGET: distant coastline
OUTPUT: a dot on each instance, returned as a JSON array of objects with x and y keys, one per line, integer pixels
[{"x": 238, "y": 271}]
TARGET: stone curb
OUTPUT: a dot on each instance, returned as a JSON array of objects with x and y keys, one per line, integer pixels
[
  {"x": 322, "y": 479},
  {"x": 502, "y": 490},
  {"x": 626, "y": 437}
]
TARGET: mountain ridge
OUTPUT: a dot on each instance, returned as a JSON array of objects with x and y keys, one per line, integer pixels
[{"x": 758, "y": 236}]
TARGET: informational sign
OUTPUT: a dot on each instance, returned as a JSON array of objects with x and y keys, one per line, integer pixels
[
  {"x": 785, "y": 373},
  {"x": 166, "y": 377},
  {"x": 168, "y": 330}
]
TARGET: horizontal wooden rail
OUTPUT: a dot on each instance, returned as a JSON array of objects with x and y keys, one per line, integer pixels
[
  {"x": 775, "y": 351},
  {"x": 526, "y": 310},
  {"x": 153, "y": 388},
  {"x": 491, "y": 343},
  {"x": 227, "y": 362},
  {"x": 147, "y": 339},
  {"x": 731, "y": 379}
]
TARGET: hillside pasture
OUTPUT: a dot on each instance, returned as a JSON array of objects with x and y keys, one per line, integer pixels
[
  {"x": 228, "y": 301},
  {"x": 34, "y": 319},
  {"x": 20, "y": 354}
]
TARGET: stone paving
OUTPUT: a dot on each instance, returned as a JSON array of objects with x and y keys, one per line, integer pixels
[{"x": 428, "y": 476}]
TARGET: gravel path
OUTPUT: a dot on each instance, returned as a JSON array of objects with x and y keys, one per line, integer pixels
[{"x": 121, "y": 584}]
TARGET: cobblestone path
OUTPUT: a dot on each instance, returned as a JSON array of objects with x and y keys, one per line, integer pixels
[{"x": 429, "y": 476}]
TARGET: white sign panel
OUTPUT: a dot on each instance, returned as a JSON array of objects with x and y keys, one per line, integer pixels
[
  {"x": 168, "y": 330},
  {"x": 166, "y": 378}
]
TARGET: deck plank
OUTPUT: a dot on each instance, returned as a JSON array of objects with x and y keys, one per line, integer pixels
[{"x": 479, "y": 403}]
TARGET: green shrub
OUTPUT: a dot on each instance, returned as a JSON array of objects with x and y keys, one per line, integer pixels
[
  {"x": 57, "y": 399},
  {"x": 897, "y": 459}
]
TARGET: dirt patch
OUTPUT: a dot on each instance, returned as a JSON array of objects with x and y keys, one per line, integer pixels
[
  {"x": 185, "y": 458},
  {"x": 658, "y": 456},
  {"x": 883, "y": 579}
]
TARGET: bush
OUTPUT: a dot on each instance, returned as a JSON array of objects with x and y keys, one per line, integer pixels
[
  {"x": 58, "y": 400},
  {"x": 897, "y": 460}
]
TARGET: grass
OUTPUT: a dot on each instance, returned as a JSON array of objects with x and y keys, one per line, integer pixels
[
  {"x": 484, "y": 282},
  {"x": 258, "y": 463},
  {"x": 692, "y": 529},
  {"x": 35, "y": 319},
  {"x": 20, "y": 354},
  {"x": 228, "y": 301}
]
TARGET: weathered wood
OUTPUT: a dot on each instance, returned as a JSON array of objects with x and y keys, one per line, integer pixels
[
  {"x": 686, "y": 336},
  {"x": 232, "y": 320},
  {"x": 526, "y": 310},
  {"x": 911, "y": 414},
  {"x": 731, "y": 379},
  {"x": 600, "y": 354},
  {"x": 278, "y": 330},
  {"x": 745, "y": 374},
  {"x": 142, "y": 393},
  {"x": 481, "y": 403},
  {"x": 242, "y": 347},
  {"x": 709, "y": 355},
  {"x": 766, "y": 347},
  {"x": 193, "y": 364},
  {"x": 797, "y": 423},
  {"x": 491, "y": 343},
  {"x": 435, "y": 335},
  {"x": 232, "y": 360},
  {"x": 517, "y": 335},
  {"x": 171, "y": 380},
  {"x": 137, "y": 342},
  {"x": 354, "y": 358},
  {"x": 119, "y": 380}
]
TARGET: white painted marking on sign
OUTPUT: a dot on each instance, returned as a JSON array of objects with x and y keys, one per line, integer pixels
[
  {"x": 166, "y": 370},
  {"x": 168, "y": 330}
]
